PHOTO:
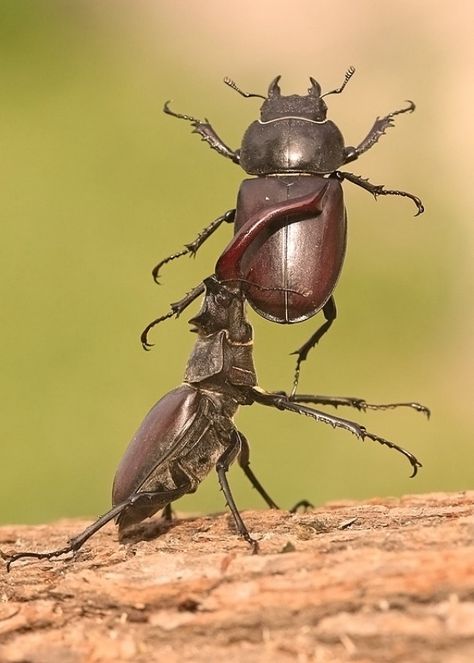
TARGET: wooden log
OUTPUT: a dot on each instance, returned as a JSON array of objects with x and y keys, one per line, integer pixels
[{"x": 385, "y": 580}]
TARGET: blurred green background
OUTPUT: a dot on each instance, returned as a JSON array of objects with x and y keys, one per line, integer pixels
[{"x": 97, "y": 185}]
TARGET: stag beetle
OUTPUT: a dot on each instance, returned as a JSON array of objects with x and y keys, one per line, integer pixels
[
  {"x": 191, "y": 429},
  {"x": 293, "y": 150}
]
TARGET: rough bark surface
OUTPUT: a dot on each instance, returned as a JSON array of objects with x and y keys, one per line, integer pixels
[{"x": 378, "y": 581}]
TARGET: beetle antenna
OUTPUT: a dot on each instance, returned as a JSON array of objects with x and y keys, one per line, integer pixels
[
  {"x": 348, "y": 75},
  {"x": 234, "y": 86}
]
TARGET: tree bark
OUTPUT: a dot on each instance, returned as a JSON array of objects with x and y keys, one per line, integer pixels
[{"x": 386, "y": 580}]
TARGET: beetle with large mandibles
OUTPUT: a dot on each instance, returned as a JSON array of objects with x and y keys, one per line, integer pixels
[
  {"x": 293, "y": 150},
  {"x": 191, "y": 430}
]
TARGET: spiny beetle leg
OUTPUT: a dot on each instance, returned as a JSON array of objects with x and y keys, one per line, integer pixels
[
  {"x": 378, "y": 129},
  {"x": 330, "y": 313},
  {"x": 207, "y": 133},
  {"x": 193, "y": 247},
  {"x": 282, "y": 402},
  {"x": 78, "y": 541},
  {"x": 244, "y": 462},
  {"x": 378, "y": 189},
  {"x": 176, "y": 309},
  {"x": 358, "y": 403},
  {"x": 222, "y": 467},
  {"x": 304, "y": 505}
]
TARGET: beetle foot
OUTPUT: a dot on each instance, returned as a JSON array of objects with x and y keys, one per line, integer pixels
[
  {"x": 155, "y": 272},
  {"x": 304, "y": 505},
  {"x": 37, "y": 555},
  {"x": 253, "y": 544},
  {"x": 414, "y": 462}
]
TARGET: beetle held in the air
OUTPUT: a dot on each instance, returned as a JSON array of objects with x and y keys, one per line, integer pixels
[{"x": 292, "y": 150}]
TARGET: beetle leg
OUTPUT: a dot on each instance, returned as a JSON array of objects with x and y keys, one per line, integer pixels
[
  {"x": 381, "y": 124},
  {"x": 357, "y": 403},
  {"x": 378, "y": 189},
  {"x": 192, "y": 247},
  {"x": 305, "y": 505},
  {"x": 222, "y": 467},
  {"x": 244, "y": 462},
  {"x": 78, "y": 541},
  {"x": 283, "y": 402},
  {"x": 207, "y": 133},
  {"x": 74, "y": 543},
  {"x": 330, "y": 312},
  {"x": 176, "y": 309}
]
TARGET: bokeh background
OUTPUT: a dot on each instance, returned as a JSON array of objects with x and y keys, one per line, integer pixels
[{"x": 97, "y": 185}]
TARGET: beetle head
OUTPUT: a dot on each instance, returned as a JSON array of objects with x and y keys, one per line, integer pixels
[
  {"x": 310, "y": 106},
  {"x": 222, "y": 308}
]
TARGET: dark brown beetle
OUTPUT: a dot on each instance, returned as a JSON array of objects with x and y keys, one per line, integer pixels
[
  {"x": 293, "y": 150},
  {"x": 191, "y": 429}
]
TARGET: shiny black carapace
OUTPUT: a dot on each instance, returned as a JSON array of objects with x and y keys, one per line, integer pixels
[{"x": 293, "y": 262}]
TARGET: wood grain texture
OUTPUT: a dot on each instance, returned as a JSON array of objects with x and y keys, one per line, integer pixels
[{"x": 396, "y": 585}]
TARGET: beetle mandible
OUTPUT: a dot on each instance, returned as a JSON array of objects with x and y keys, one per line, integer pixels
[{"x": 293, "y": 149}]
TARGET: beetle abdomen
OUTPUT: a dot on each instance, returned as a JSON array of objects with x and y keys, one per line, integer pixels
[{"x": 176, "y": 446}]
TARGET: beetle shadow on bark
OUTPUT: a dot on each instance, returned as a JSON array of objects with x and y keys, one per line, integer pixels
[{"x": 148, "y": 530}]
